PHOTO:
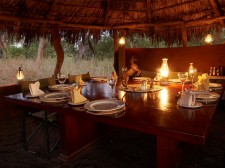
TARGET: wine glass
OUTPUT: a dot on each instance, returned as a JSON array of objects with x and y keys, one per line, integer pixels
[
  {"x": 192, "y": 74},
  {"x": 61, "y": 78},
  {"x": 182, "y": 77},
  {"x": 111, "y": 83}
]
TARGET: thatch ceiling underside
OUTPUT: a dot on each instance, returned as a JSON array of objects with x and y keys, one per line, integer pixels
[{"x": 159, "y": 19}]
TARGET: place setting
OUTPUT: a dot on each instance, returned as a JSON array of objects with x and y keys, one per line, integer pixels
[
  {"x": 106, "y": 107},
  {"x": 61, "y": 77}
]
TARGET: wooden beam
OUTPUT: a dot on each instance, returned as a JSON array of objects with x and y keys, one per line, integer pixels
[
  {"x": 216, "y": 10},
  {"x": 176, "y": 5},
  {"x": 50, "y": 22},
  {"x": 116, "y": 52},
  {"x": 106, "y": 11},
  {"x": 149, "y": 10},
  {"x": 187, "y": 24}
]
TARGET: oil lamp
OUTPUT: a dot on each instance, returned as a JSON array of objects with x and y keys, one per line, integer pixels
[
  {"x": 209, "y": 39},
  {"x": 122, "y": 41},
  {"x": 164, "y": 72},
  {"x": 20, "y": 75}
]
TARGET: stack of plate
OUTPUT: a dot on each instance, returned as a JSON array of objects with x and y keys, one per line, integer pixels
[
  {"x": 206, "y": 97},
  {"x": 55, "y": 97},
  {"x": 215, "y": 86},
  {"x": 105, "y": 107}
]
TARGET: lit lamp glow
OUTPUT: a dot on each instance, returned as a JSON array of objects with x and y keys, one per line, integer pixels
[
  {"x": 164, "y": 72},
  {"x": 20, "y": 75},
  {"x": 122, "y": 41},
  {"x": 209, "y": 39}
]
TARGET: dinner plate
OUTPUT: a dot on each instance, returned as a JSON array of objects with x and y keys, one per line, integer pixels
[
  {"x": 210, "y": 97},
  {"x": 112, "y": 112},
  {"x": 215, "y": 85},
  {"x": 30, "y": 96},
  {"x": 104, "y": 105},
  {"x": 55, "y": 96},
  {"x": 60, "y": 87},
  {"x": 77, "y": 104},
  {"x": 54, "y": 100},
  {"x": 196, "y": 105},
  {"x": 141, "y": 78}
]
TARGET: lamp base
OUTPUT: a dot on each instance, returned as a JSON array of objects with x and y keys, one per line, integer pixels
[{"x": 164, "y": 82}]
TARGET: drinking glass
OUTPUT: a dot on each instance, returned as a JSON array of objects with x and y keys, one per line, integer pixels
[
  {"x": 61, "y": 78},
  {"x": 111, "y": 83},
  {"x": 182, "y": 77},
  {"x": 192, "y": 74}
]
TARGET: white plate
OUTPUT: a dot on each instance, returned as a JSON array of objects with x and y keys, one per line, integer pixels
[
  {"x": 53, "y": 100},
  {"x": 76, "y": 104},
  {"x": 197, "y": 105},
  {"x": 207, "y": 96},
  {"x": 106, "y": 112},
  {"x": 30, "y": 96},
  {"x": 199, "y": 92},
  {"x": 141, "y": 78},
  {"x": 60, "y": 87},
  {"x": 215, "y": 85},
  {"x": 55, "y": 96},
  {"x": 104, "y": 105}
]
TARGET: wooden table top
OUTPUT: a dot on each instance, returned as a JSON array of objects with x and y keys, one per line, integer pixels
[{"x": 154, "y": 113}]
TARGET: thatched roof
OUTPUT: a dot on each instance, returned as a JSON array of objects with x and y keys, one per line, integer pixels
[{"x": 170, "y": 20}]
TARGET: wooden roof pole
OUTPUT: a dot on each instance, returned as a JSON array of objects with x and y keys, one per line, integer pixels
[
  {"x": 121, "y": 54},
  {"x": 116, "y": 52},
  {"x": 56, "y": 42},
  {"x": 149, "y": 10},
  {"x": 184, "y": 36},
  {"x": 216, "y": 10}
]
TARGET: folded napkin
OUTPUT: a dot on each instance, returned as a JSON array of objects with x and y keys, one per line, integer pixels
[
  {"x": 78, "y": 80},
  {"x": 203, "y": 82},
  {"x": 187, "y": 99},
  {"x": 76, "y": 96},
  {"x": 34, "y": 89}
]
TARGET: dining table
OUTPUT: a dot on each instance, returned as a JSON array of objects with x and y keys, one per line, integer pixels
[{"x": 155, "y": 112}]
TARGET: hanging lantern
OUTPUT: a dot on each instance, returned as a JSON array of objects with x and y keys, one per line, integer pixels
[
  {"x": 208, "y": 39},
  {"x": 20, "y": 75},
  {"x": 122, "y": 41}
]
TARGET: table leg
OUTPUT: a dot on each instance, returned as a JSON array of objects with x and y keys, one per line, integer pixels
[
  {"x": 77, "y": 133},
  {"x": 169, "y": 152}
]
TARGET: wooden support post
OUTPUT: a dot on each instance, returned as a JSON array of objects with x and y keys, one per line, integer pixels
[
  {"x": 116, "y": 53},
  {"x": 56, "y": 42},
  {"x": 122, "y": 62},
  {"x": 184, "y": 36}
]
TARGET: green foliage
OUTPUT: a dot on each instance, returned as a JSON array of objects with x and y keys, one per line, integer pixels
[{"x": 104, "y": 48}]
